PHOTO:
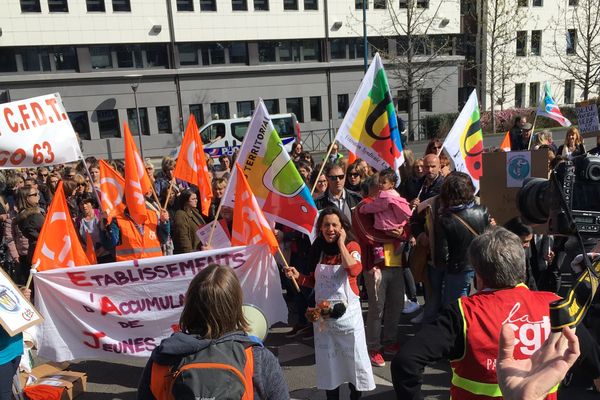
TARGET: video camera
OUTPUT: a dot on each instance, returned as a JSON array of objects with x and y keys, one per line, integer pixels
[{"x": 540, "y": 200}]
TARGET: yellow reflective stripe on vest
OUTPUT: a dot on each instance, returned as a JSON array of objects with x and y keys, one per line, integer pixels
[
  {"x": 479, "y": 388},
  {"x": 482, "y": 389}
]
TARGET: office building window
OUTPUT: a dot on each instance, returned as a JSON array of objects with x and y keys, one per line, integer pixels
[
  {"x": 311, "y": 51},
  {"x": 238, "y": 53},
  {"x": 95, "y": 5},
  {"x": 403, "y": 4},
  {"x": 30, "y": 6},
  {"x": 316, "y": 114},
  {"x": 213, "y": 54},
  {"x": 523, "y": 3},
  {"x": 8, "y": 61},
  {"x": 121, "y": 5},
  {"x": 188, "y": 53},
  {"x": 261, "y": 5},
  {"x": 108, "y": 123},
  {"x": 198, "y": 112},
  {"x": 403, "y": 101},
  {"x": 35, "y": 59},
  {"x": 290, "y": 4},
  {"x": 129, "y": 56},
  {"x": 81, "y": 124},
  {"x": 521, "y": 43},
  {"x": 266, "y": 51},
  {"x": 422, "y": 3},
  {"x": 573, "y": 2},
  {"x": 536, "y": 43},
  {"x": 208, "y": 5},
  {"x": 185, "y": 5},
  {"x": 239, "y": 5},
  {"x": 219, "y": 110},
  {"x": 534, "y": 94},
  {"x": 156, "y": 55},
  {"x": 163, "y": 119},
  {"x": 571, "y": 41},
  {"x": 58, "y": 6},
  {"x": 132, "y": 121},
  {"x": 311, "y": 5},
  {"x": 272, "y": 106},
  {"x": 338, "y": 49},
  {"x": 294, "y": 105},
  {"x": 569, "y": 91},
  {"x": 426, "y": 99},
  {"x": 289, "y": 50},
  {"x": 343, "y": 103},
  {"x": 101, "y": 57},
  {"x": 538, "y": 3},
  {"x": 245, "y": 108},
  {"x": 358, "y": 4},
  {"x": 380, "y": 4},
  {"x": 519, "y": 95},
  {"x": 65, "y": 58}
]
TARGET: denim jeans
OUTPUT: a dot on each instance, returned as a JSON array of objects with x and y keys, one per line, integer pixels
[{"x": 457, "y": 285}]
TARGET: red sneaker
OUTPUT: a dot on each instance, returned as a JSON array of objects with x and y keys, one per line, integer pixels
[
  {"x": 391, "y": 349},
  {"x": 376, "y": 359}
]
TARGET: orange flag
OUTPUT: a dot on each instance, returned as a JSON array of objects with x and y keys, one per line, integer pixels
[
  {"x": 135, "y": 180},
  {"x": 112, "y": 187},
  {"x": 351, "y": 158},
  {"x": 249, "y": 223},
  {"x": 90, "y": 252},
  {"x": 191, "y": 164},
  {"x": 58, "y": 245},
  {"x": 505, "y": 146}
]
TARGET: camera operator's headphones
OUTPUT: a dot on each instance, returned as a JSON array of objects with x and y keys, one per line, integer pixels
[{"x": 571, "y": 310}]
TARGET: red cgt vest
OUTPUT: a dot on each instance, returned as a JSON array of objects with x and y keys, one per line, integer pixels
[{"x": 484, "y": 313}]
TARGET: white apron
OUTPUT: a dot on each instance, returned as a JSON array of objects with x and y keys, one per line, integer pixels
[{"x": 340, "y": 345}]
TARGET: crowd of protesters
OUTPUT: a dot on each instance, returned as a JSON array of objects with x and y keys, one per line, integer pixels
[{"x": 392, "y": 234}]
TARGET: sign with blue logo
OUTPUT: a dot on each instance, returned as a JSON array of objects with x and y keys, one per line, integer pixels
[{"x": 518, "y": 168}]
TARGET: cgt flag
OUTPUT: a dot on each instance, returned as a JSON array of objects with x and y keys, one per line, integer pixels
[
  {"x": 137, "y": 182},
  {"x": 464, "y": 142},
  {"x": 58, "y": 245},
  {"x": 370, "y": 127},
  {"x": 276, "y": 183},
  {"x": 249, "y": 223},
  {"x": 112, "y": 187},
  {"x": 191, "y": 164},
  {"x": 548, "y": 108}
]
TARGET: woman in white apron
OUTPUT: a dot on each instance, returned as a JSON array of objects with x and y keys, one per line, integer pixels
[{"x": 340, "y": 345}]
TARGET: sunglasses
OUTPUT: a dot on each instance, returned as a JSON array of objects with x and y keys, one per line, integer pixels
[
  {"x": 33, "y": 194},
  {"x": 336, "y": 177},
  {"x": 81, "y": 184},
  {"x": 44, "y": 175},
  {"x": 354, "y": 174}
]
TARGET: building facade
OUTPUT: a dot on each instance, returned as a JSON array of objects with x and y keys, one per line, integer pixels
[{"x": 206, "y": 57}]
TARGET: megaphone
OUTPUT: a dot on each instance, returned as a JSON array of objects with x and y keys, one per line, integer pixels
[{"x": 259, "y": 326}]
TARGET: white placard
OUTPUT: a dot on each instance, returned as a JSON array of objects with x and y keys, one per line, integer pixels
[
  {"x": 587, "y": 116},
  {"x": 16, "y": 312},
  {"x": 518, "y": 168},
  {"x": 220, "y": 239},
  {"x": 35, "y": 132}
]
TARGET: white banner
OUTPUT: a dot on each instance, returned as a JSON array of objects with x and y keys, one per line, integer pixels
[
  {"x": 36, "y": 132},
  {"x": 124, "y": 309}
]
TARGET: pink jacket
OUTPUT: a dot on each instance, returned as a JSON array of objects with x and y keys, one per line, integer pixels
[{"x": 391, "y": 210}]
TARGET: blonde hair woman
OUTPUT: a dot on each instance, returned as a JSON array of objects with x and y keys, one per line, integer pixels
[{"x": 573, "y": 146}]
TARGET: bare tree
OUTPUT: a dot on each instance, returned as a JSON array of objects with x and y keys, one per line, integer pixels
[
  {"x": 498, "y": 31},
  {"x": 576, "y": 45}
]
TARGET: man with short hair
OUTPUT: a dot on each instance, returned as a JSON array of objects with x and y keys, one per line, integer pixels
[
  {"x": 467, "y": 331},
  {"x": 336, "y": 195},
  {"x": 431, "y": 182}
]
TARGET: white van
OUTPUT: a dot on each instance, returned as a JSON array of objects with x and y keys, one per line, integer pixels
[{"x": 223, "y": 136}]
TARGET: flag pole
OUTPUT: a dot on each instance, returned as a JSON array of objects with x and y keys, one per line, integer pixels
[
  {"x": 322, "y": 167},
  {"x": 532, "y": 131},
  {"x": 87, "y": 171},
  {"x": 30, "y": 278},
  {"x": 215, "y": 221},
  {"x": 288, "y": 266},
  {"x": 169, "y": 193}
]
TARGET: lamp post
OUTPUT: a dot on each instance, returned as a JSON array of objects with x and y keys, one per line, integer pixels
[
  {"x": 365, "y": 45},
  {"x": 134, "y": 87}
]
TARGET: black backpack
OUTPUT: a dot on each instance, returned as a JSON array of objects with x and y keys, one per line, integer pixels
[{"x": 222, "y": 369}]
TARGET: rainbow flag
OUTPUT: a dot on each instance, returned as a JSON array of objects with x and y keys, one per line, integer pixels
[
  {"x": 464, "y": 142},
  {"x": 548, "y": 108},
  {"x": 273, "y": 178},
  {"x": 370, "y": 128}
]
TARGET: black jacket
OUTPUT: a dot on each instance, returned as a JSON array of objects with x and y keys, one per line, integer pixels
[
  {"x": 516, "y": 139},
  {"x": 352, "y": 199},
  {"x": 453, "y": 237}
]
